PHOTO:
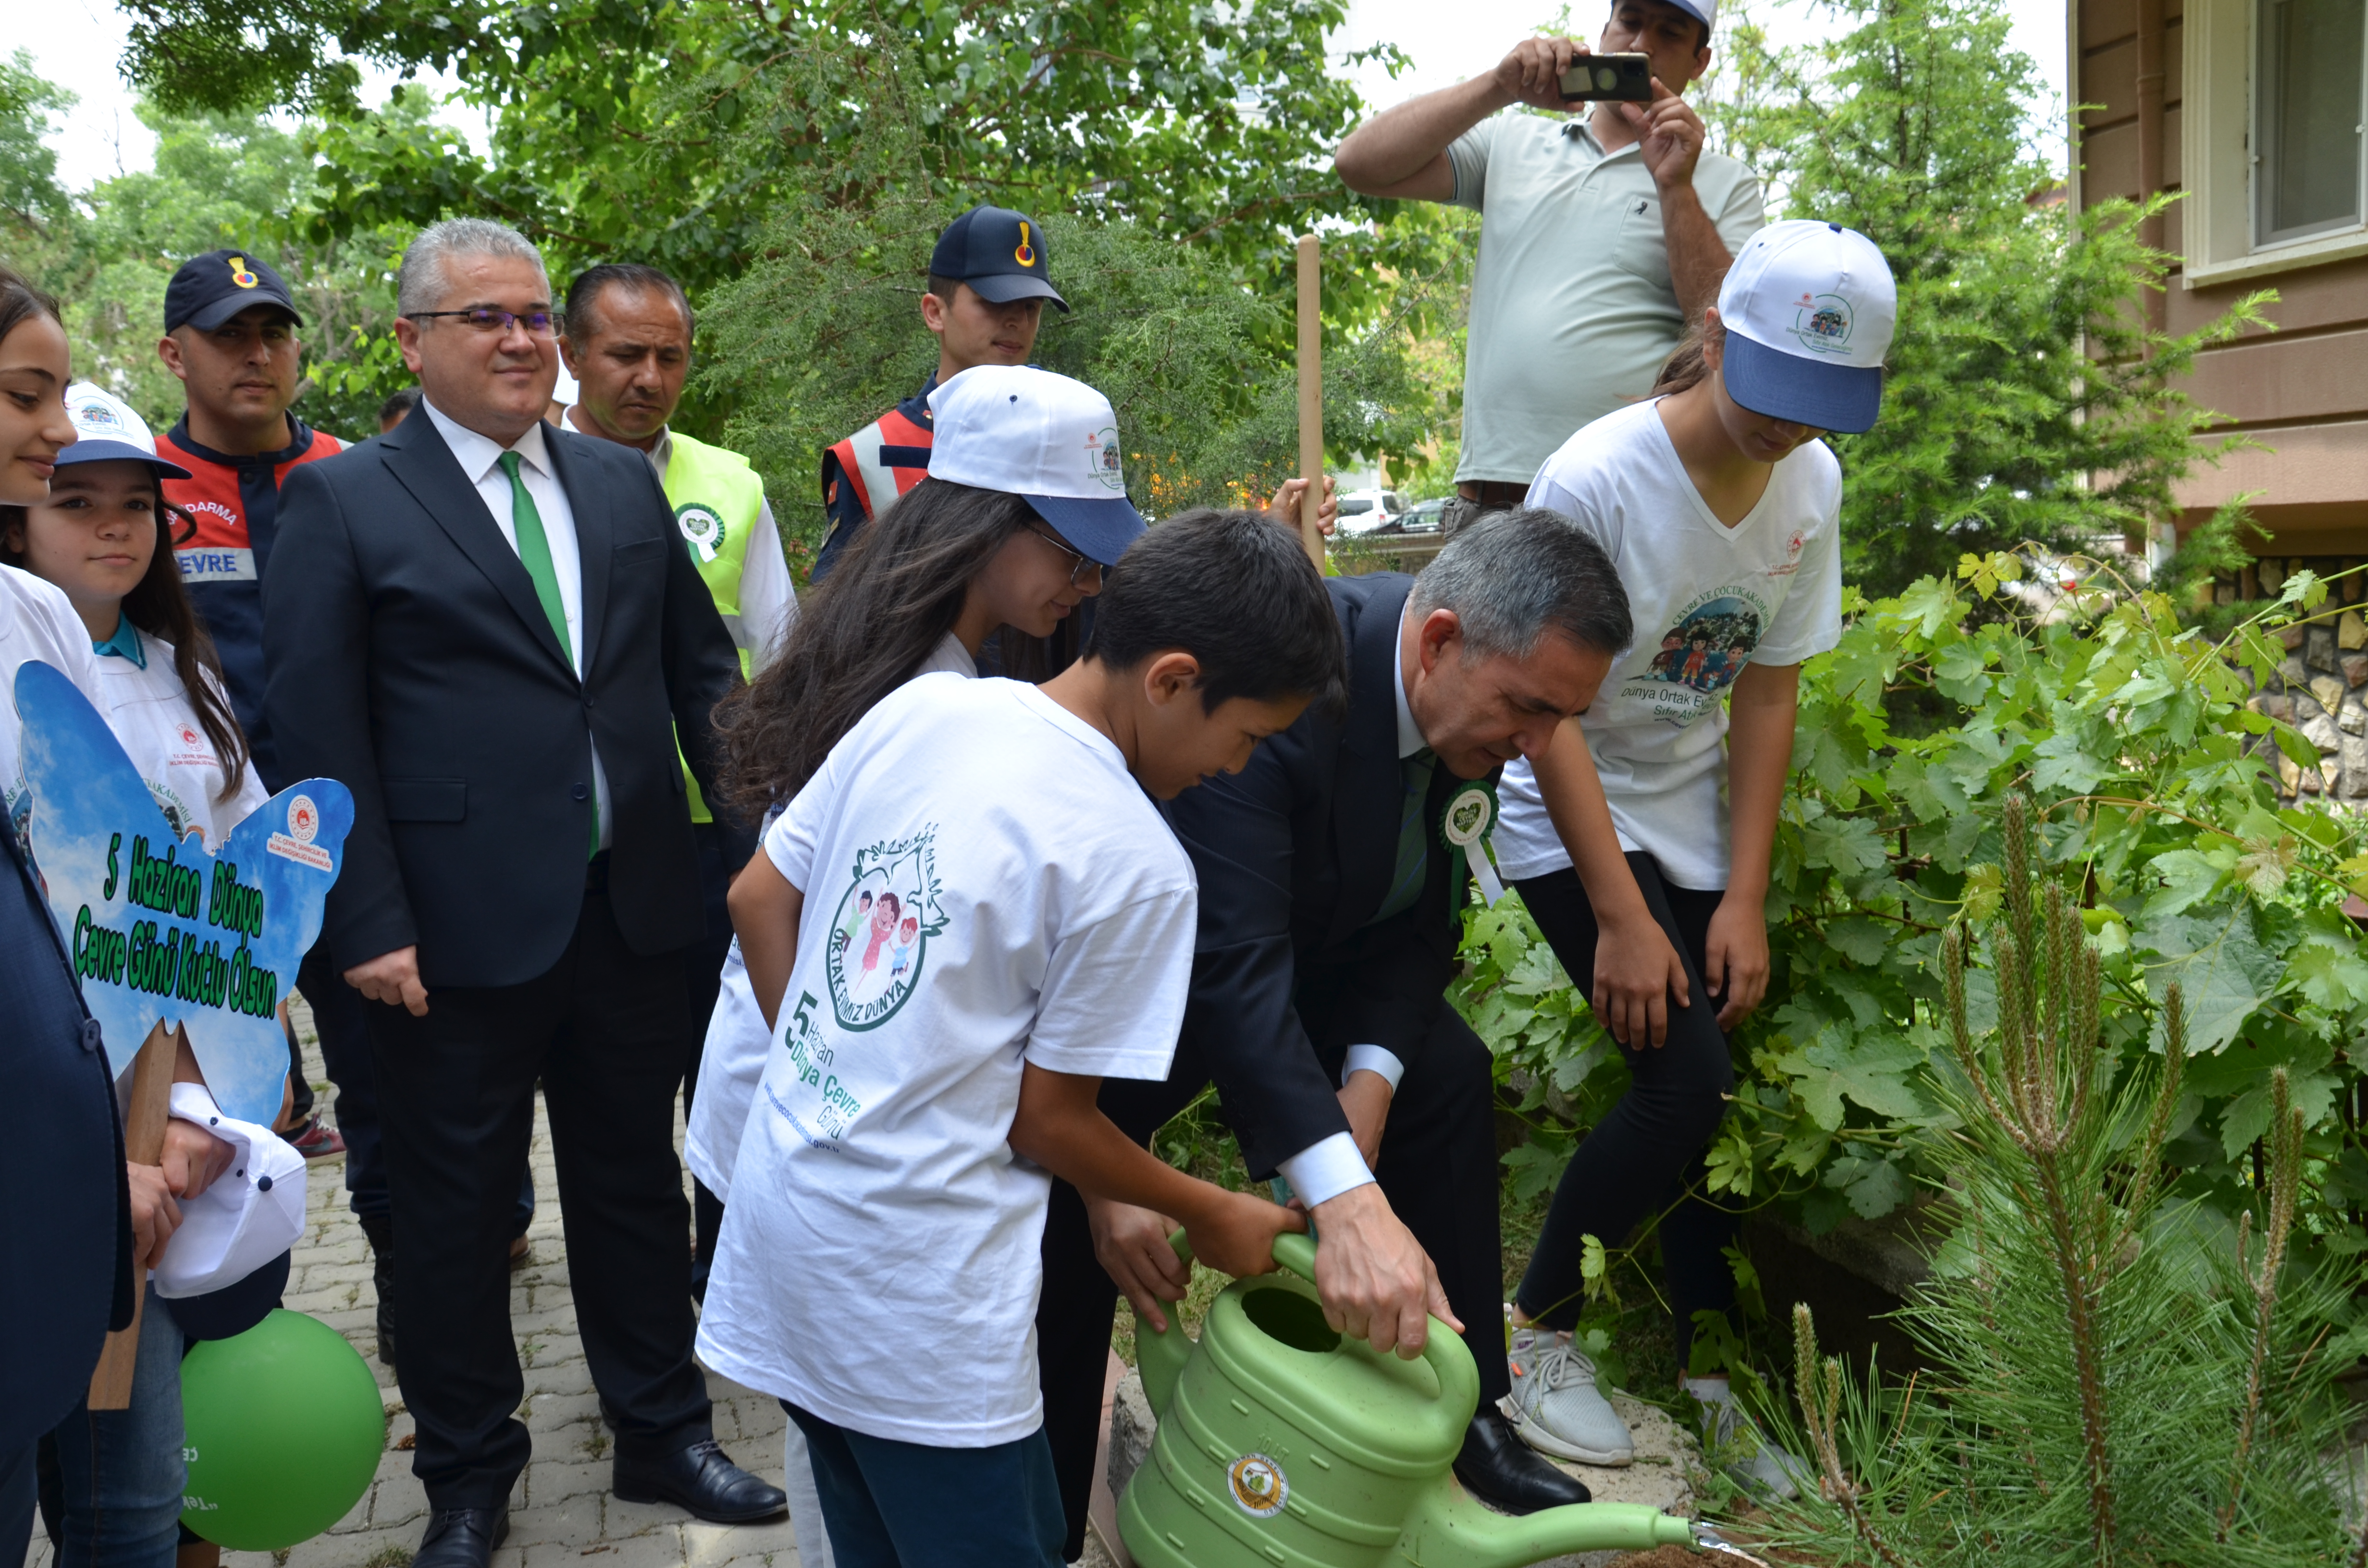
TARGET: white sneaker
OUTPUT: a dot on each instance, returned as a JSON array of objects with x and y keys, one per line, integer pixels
[
  {"x": 1733, "y": 1441},
  {"x": 1555, "y": 1405}
]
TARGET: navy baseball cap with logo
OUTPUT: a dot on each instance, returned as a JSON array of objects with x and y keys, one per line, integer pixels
[
  {"x": 999, "y": 252},
  {"x": 210, "y": 289}
]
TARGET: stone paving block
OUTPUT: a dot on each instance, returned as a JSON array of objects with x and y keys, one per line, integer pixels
[
  {"x": 555, "y": 1410},
  {"x": 572, "y": 1522},
  {"x": 621, "y": 1518},
  {"x": 554, "y": 1349},
  {"x": 556, "y": 1479},
  {"x": 712, "y": 1545},
  {"x": 661, "y": 1548}
]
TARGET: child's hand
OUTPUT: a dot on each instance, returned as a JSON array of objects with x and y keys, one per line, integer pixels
[
  {"x": 1234, "y": 1234},
  {"x": 1131, "y": 1243}
]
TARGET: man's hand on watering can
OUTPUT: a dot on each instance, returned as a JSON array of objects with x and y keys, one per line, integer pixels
[
  {"x": 1376, "y": 1282},
  {"x": 1132, "y": 1246}
]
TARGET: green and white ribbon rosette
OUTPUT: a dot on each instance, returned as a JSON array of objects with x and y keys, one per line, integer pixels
[
  {"x": 1469, "y": 816},
  {"x": 702, "y": 526}
]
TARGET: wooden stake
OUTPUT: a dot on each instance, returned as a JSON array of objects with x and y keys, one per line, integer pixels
[
  {"x": 1311, "y": 397},
  {"x": 143, "y": 1144}
]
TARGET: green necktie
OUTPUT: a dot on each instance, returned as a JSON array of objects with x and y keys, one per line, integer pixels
[
  {"x": 1414, "y": 848},
  {"x": 534, "y": 551}
]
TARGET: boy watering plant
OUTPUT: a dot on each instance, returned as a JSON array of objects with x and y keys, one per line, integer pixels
[{"x": 892, "y": 1178}]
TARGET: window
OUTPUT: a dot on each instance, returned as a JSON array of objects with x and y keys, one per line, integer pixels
[{"x": 2308, "y": 114}]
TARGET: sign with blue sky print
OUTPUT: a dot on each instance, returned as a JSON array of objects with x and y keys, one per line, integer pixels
[{"x": 159, "y": 930}]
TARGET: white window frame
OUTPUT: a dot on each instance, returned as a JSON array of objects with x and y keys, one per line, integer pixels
[{"x": 2216, "y": 164}]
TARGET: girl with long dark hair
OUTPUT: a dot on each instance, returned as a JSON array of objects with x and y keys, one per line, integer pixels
[{"x": 102, "y": 536}]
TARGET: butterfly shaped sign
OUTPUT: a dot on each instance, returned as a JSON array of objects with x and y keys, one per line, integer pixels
[{"x": 160, "y": 929}]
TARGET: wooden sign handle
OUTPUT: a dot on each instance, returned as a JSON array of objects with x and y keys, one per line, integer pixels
[
  {"x": 1311, "y": 397},
  {"x": 143, "y": 1144}
]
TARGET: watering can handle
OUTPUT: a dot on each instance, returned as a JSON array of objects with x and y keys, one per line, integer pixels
[{"x": 1450, "y": 1358}]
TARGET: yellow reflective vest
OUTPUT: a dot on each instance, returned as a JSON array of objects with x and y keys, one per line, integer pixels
[{"x": 718, "y": 504}]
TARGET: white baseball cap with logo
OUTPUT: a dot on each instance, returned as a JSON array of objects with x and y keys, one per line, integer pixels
[
  {"x": 107, "y": 431},
  {"x": 1044, "y": 438},
  {"x": 1809, "y": 310}
]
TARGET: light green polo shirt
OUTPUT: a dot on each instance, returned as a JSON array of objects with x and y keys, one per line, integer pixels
[{"x": 1572, "y": 308}]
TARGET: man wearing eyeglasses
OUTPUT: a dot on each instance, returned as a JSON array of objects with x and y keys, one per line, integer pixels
[{"x": 492, "y": 631}]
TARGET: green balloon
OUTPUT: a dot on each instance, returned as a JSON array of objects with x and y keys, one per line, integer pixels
[{"x": 285, "y": 1428}]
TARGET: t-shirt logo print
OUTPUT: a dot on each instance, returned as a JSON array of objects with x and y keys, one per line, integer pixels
[
  {"x": 1822, "y": 324},
  {"x": 1709, "y": 645},
  {"x": 880, "y": 934}
]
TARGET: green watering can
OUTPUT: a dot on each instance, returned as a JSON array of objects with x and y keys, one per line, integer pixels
[{"x": 1283, "y": 1442}]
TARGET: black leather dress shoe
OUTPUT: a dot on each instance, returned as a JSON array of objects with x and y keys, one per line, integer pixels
[
  {"x": 700, "y": 1479},
  {"x": 1506, "y": 1473},
  {"x": 461, "y": 1537}
]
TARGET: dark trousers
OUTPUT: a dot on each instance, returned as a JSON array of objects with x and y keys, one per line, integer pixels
[
  {"x": 1437, "y": 1168},
  {"x": 341, "y": 1018},
  {"x": 603, "y": 1031},
  {"x": 17, "y": 1495},
  {"x": 1646, "y": 1154},
  {"x": 894, "y": 1504},
  {"x": 702, "y": 977}
]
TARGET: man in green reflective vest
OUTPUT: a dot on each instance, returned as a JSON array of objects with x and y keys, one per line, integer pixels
[{"x": 627, "y": 342}]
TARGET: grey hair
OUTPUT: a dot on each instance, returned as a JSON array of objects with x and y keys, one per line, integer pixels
[
  {"x": 420, "y": 285},
  {"x": 1511, "y": 577}
]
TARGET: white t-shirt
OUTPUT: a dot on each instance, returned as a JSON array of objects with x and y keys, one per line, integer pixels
[
  {"x": 733, "y": 1060},
  {"x": 1707, "y": 599},
  {"x": 38, "y": 622},
  {"x": 150, "y": 713},
  {"x": 1573, "y": 309},
  {"x": 987, "y": 885}
]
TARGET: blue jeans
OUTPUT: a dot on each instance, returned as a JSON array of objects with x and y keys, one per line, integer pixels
[
  {"x": 892, "y": 1505},
  {"x": 119, "y": 1472}
]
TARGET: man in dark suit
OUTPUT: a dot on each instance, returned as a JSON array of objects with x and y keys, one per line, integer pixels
[
  {"x": 492, "y": 632},
  {"x": 1329, "y": 919}
]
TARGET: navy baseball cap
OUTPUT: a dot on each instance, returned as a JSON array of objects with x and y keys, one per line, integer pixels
[
  {"x": 999, "y": 252},
  {"x": 210, "y": 289}
]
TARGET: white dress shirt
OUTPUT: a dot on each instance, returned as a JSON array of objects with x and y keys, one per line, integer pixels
[
  {"x": 480, "y": 460},
  {"x": 1332, "y": 1166}
]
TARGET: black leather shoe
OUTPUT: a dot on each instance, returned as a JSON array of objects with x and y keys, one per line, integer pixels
[
  {"x": 1506, "y": 1473},
  {"x": 462, "y": 1538},
  {"x": 700, "y": 1479}
]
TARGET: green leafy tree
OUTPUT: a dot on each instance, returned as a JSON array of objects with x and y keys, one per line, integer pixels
[
  {"x": 2027, "y": 398},
  {"x": 31, "y": 196}
]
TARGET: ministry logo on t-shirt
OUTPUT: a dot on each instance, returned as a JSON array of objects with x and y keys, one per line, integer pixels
[{"x": 882, "y": 930}]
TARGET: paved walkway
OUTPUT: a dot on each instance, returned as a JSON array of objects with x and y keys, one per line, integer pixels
[{"x": 561, "y": 1512}]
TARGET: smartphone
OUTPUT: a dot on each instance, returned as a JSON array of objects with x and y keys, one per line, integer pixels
[{"x": 1618, "y": 78}]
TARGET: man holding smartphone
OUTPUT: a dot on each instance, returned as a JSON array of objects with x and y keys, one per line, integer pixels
[{"x": 1602, "y": 236}]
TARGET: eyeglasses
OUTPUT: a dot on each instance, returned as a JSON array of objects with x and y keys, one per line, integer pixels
[
  {"x": 1084, "y": 564},
  {"x": 537, "y": 324}
]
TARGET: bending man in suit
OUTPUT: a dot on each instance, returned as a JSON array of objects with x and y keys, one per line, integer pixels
[
  {"x": 1329, "y": 918},
  {"x": 492, "y": 632}
]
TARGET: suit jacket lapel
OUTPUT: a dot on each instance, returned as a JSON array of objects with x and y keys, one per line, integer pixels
[
  {"x": 595, "y": 532},
  {"x": 1369, "y": 793},
  {"x": 425, "y": 466}
]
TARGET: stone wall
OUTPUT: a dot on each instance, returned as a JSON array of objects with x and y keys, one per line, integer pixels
[{"x": 2322, "y": 687}]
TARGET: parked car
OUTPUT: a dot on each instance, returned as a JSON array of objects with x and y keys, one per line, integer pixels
[
  {"x": 1364, "y": 511},
  {"x": 1423, "y": 517}
]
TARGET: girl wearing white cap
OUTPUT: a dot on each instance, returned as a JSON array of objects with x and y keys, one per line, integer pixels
[
  {"x": 1639, "y": 841},
  {"x": 99, "y": 535}
]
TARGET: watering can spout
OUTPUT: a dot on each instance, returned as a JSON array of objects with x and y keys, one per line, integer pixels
[{"x": 1449, "y": 1531}]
